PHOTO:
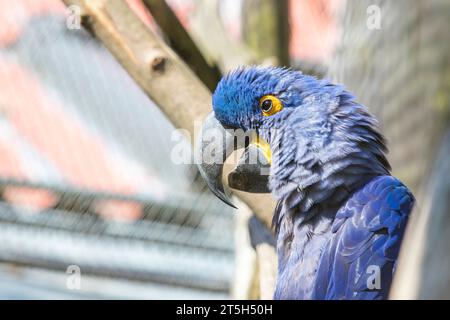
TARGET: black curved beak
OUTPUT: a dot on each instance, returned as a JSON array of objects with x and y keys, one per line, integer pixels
[{"x": 215, "y": 145}]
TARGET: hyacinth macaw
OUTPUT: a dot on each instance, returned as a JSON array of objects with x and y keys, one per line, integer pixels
[{"x": 340, "y": 216}]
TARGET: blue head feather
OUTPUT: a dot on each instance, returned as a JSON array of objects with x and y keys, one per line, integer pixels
[{"x": 236, "y": 98}]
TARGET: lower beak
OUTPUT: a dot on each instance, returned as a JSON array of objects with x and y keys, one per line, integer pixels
[
  {"x": 216, "y": 144},
  {"x": 252, "y": 172}
]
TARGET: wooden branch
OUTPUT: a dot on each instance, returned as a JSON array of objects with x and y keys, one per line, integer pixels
[
  {"x": 182, "y": 43},
  {"x": 283, "y": 32},
  {"x": 267, "y": 255},
  {"x": 266, "y": 29},
  {"x": 264, "y": 242},
  {"x": 424, "y": 265},
  {"x": 214, "y": 41},
  {"x": 155, "y": 67}
]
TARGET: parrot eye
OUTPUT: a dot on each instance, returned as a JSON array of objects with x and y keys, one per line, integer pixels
[
  {"x": 266, "y": 105},
  {"x": 270, "y": 105}
]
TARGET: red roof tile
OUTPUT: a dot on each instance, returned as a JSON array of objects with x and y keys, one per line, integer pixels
[{"x": 314, "y": 29}]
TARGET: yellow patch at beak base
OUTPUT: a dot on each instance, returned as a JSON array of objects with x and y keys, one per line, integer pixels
[{"x": 264, "y": 146}]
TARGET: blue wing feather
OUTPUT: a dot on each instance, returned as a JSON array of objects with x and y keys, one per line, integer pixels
[{"x": 366, "y": 232}]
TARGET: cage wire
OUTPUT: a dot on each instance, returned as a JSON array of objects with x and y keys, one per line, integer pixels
[
  {"x": 397, "y": 70},
  {"x": 87, "y": 178}
]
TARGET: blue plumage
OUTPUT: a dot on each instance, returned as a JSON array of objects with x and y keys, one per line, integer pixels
[
  {"x": 340, "y": 216},
  {"x": 366, "y": 232}
]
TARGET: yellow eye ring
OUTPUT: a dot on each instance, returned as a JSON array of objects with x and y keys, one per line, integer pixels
[{"x": 270, "y": 105}]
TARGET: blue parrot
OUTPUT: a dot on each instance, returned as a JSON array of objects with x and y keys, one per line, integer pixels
[{"x": 340, "y": 216}]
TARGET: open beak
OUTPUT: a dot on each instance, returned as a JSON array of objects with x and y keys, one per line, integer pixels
[{"x": 216, "y": 144}]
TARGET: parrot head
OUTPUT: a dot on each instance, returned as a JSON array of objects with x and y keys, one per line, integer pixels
[
  {"x": 247, "y": 96},
  {"x": 295, "y": 118}
]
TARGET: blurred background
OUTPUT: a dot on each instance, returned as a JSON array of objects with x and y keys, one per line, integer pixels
[{"x": 87, "y": 184}]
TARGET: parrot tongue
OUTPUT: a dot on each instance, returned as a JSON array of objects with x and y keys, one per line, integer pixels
[{"x": 215, "y": 145}]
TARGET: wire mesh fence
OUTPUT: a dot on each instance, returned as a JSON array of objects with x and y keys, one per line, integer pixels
[
  {"x": 86, "y": 175},
  {"x": 397, "y": 68}
]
